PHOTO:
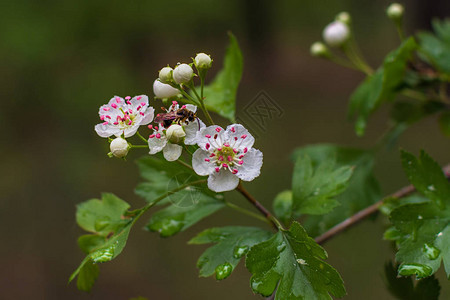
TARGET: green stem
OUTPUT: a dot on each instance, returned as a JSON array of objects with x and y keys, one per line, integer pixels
[
  {"x": 351, "y": 52},
  {"x": 138, "y": 146},
  {"x": 184, "y": 164},
  {"x": 202, "y": 103},
  {"x": 188, "y": 96},
  {"x": 141, "y": 137},
  {"x": 247, "y": 212}
]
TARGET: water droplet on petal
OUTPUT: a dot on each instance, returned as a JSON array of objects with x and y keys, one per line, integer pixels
[
  {"x": 418, "y": 269},
  {"x": 431, "y": 251},
  {"x": 223, "y": 271},
  {"x": 239, "y": 251}
]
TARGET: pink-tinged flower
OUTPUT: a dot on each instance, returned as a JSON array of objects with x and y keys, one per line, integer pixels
[
  {"x": 124, "y": 116},
  {"x": 226, "y": 156},
  {"x": 167, "y": 139}
]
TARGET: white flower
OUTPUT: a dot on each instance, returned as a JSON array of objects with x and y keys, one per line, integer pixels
[
  {"x": 202, "y": 61},
  {"x": 395, "y": 11},
  {"x": 182, "y": 73},
  {"x": 165, "y": 74},
  {"x": 119, "y": 147},
  {"x": 226, "y": 156},
  {"x": 167, "y": 139},
  {"x": 162, "y": 90},
  {"x": 336, "y": 34},
  {"x": 121, "y": 116}
]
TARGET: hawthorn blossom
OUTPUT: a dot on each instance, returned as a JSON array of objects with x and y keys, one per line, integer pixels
[
  {"x": 124, "y": 116},
  {"x": 168, "y": 139},
  {"x": 226, "y": 156}
]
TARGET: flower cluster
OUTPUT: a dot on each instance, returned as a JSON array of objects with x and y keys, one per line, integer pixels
[{"x": 226, "y": 156}]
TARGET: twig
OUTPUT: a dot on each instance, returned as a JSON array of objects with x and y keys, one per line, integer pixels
[{"x": 362, "y": 214}]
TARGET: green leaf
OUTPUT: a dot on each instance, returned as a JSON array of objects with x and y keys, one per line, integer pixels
[
  {"x": 382, "y": 86},
  {"x": 282, "y": 206},
  {"x": 426, "y": 176},
  {"x": 315, "y": 187},
  {"x": 162, "y": 176},
  {"x": 220, "y": 94},
  {"x": 87, "y": 277},
  {"x": 444, "y": 123},
  {"x": 437, "y": 47},
  {"x": 422, "y": 228},
  {"x": 362, "y": 191},
  {"x": 102, "y": 216},
  {"x": 292, "y": 263},
  {"x": 403, "y": 287},
  {"x": 176, "y": 218},
  {"x": 232, "y": 243},
  {"x": 89, "y": 242}
]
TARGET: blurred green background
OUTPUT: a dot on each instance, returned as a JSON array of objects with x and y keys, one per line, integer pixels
[{"x": 60, "y": 60}]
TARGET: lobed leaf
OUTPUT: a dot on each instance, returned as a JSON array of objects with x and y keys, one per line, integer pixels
[
  {"x": 231, "y": 244},
  {"x": 292, "y": 263}
]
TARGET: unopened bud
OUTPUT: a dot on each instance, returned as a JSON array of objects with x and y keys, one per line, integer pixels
[
  {"x": 336, "y": 34},
  {"x": 203, "y": 61},
  {"x": 395, "y": 11},
  {"x": 319, "y": 49},
  {"x": 162, "y": 90},
  {"x": 165, "y": 74},
  {"x": 182, "y": 73},
  {"x": 175, "y": 133},
  {"x": 119, "y": 147},
  {"x": 344, "y": 17}
]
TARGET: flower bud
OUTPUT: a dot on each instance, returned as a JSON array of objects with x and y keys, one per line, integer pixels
[
  {"x": 202, "y": 61},
  {"x": 344, "y": 17},
  {"x": 318, "y": 49},
  {"x": 336, "y": 34},
  {"x": 163, "y": 90},
  {"x": 165, "y": 74},
  {"x": 395, "y": 11},
  {"x": 182, "y": 73},
  {"x": 175, "y": 133},
  {"x": 119, "y": 147}
]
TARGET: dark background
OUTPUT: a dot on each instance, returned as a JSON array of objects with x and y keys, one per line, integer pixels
[{"x": 60, "y": 60}]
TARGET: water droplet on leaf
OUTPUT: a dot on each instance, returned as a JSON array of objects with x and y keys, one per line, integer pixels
[
  {"x": 281, "y": 247},
  {"x": 103, "y": 255},
  {"x": 431, "y": 188},
  {"x": 418, "y": 269},
  {"x": 240, "y": 251},
  {"x": 223, "y": 271},
  {"x": 431, "y": 251}
]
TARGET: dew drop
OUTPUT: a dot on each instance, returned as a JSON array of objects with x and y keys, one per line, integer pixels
[
  {"x": 431, "y": 251},
  {"x": 255, "y": 284},
  {"x": 103, "y": 255},
  {"x": 431, "y": 188},
  {"x": 440, "y": 234},
  {"x": 223, "y": 271},
  {"x": 239, "y": 251},
  {"x": 281, "y": 247},
  {"x": 301, "y": 261},
  {"x": 419, "y": 217},
  {"x": 418, "y": 269}
]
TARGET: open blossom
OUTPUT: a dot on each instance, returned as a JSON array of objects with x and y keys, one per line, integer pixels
[
  {"x": 124, "y": 116},
  {"x": 226, "y": 156},
  {"x": 167, "y": 139}
]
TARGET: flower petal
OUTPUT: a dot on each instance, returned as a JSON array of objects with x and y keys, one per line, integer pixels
[
  {"x": 172, "y": 152},
  {"x": 148, "y": 116},
  {"x": 191, "y": 107},
  {"x": 202, "y": 167},
  {"x": 240, "y": 137},
  {"x": 130, "y": 130},
  {"x": 251, "y": 168},
  {"x": 156, "y": 144},
  {"x": 191, "y": 131},
  {"x": 213, "y": 131},
  {"x": 163, "y": 90},
  {"x": 222, "y": 181},
  {"x": 107, "y": 130}
]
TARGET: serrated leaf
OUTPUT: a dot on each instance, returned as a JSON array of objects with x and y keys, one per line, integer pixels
[
  {"x": 292, "y": 263},
  {"x": 87, "y": 277},
  {"x": 220, "y": 94},
  {"x": 423, "y": 232},
  {"x": 380, "y": 87},
  {"x": 426, "y": 176},
  {"x": 282, "y": 206},
  {"x": 176, "y": 218},
  {"x": 362, "y": 191},
  {"x": 232, "y": 243},
  {"x": 403, "y": 287},
  {"x": 314, "y": 188},
  {"x": 102, "y": 216}
]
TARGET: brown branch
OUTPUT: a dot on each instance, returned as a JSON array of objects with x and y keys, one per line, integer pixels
[
  {"x": 362, "y": 214},
  {"x": 258, "y": 205}
]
